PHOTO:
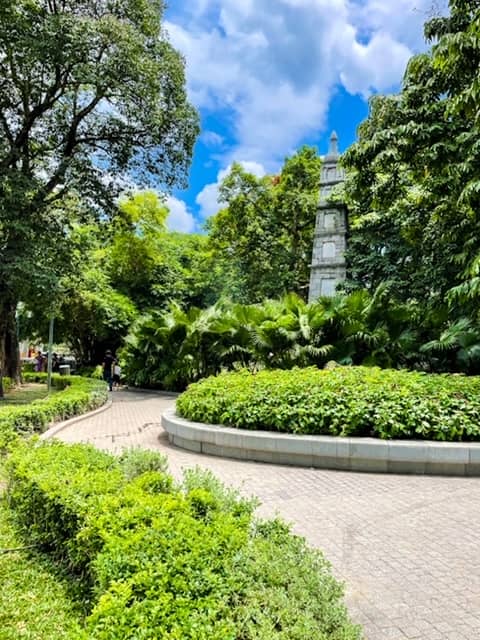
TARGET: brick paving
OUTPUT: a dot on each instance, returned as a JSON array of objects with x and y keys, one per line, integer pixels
[{"x": 407, "y": 547}]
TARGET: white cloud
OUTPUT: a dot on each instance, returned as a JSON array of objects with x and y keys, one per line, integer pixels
[
  {"x": 273, "y": 66},
  {"x": 362, "y": 75},
  {"x": 212, "y": 139},
  {"x": 179, "y": 218},
  {"x": 207, "y": 199},
  {"x": 401, "y": 19}
]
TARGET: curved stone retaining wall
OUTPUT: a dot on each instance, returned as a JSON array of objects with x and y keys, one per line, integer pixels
[{"x": 325, "y": 452}]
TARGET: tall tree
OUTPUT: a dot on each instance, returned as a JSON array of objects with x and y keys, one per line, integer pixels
[
  {"x": 263, "y": 237},
  {"x": 153, "y": 266},
  {"x": 90, "y": 92},
  {"x": 414, "y": 177}
]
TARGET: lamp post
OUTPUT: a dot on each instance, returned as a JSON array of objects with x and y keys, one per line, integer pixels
[{"x": 49, "y": 360}]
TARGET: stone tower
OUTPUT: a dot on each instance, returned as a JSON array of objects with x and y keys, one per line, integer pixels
[{"x": 328, "y": 260}]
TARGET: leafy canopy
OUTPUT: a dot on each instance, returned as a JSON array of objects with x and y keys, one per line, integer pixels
[
  {"x": 263, "y": 237},
  {"x": 91, "y": 93}
]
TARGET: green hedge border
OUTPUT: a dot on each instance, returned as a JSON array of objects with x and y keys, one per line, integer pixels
[
  {"x": 158, "y": 560},
  {"x": 78, "y": 395}
]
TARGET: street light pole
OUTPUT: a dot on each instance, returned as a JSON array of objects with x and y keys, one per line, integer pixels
[{"x": 49, "y": 361}]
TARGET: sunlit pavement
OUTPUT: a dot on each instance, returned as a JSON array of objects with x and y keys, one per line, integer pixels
[{"x": 407, "y": 547}]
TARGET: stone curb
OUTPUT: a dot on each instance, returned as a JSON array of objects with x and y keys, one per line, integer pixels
[
  {"x": 59, "y": 426},
  {"x": 325, "y": 452}
]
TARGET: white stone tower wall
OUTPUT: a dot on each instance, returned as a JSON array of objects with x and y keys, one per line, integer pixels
[{"x": 328, "y": 268}]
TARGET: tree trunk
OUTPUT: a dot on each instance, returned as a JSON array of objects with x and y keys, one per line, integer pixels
[
  {"x": 12, "y": 352},
  {"x": 9, "y": 353},
  {"x": 2, "y": 356}
]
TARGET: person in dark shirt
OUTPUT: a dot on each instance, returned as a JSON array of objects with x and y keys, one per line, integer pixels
[{"x": 107, "y": 365}]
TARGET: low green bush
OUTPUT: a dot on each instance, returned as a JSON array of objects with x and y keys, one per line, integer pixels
[
  {"x": 136, "y": 461},
  {"x": 78, "y": 396},
  {"x": 344, "y": 401},
  {"x": 7, "y": 384},
  {"x": 91, "y": 372},
  {"x": 28, "y": 367},
  {"x": 157, "y": 561}
]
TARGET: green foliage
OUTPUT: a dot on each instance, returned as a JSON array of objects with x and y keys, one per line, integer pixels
[
  {"x": 175, "y": 348},
  {"x": 344, "y": 401},
  {"x": 282, "y": 573},
  {"x": 171, "y": 349},
  {"x": 413, "y": 183},
  {"x": 78, "y": 396},
  {"x": 28, "y": 367},
  {"x": 92, "y": 93},
  {"x": 7, "y": 384},
  {"x": 190, "y": 273},
  {"x": 227, "y": 499},
  {"x": 34, "y": 601},
  {"x": 91, "y": 315},
  {"x": 187, "y": 564},
  {"x": 136, "y": 461},
  {"x": 263, "y": 237},
  {"x": 129, "y": 264}
]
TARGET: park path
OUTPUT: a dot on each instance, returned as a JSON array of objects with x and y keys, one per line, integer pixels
[{"x": 407, "y": 547}]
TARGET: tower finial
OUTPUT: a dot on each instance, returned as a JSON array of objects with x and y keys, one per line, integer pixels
[{"x": 333, "y": 148}]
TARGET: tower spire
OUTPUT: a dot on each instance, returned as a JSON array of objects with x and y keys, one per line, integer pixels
[{"x": 333, "y": 148}]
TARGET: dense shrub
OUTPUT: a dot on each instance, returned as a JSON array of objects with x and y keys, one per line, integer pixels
[
  {"x": 170, "y": 349},
  {"x": 78, "y": 396},
  {"x": 7, "y": 383},
  {"x": 136, "y": 461},
  {"x": 344, "y": 401},
  {"x": 160, "y": 561},
  {"x": 28, "y": 367}
]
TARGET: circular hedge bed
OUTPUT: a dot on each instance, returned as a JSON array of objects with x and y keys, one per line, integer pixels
[{"x": 344, "y": 401}]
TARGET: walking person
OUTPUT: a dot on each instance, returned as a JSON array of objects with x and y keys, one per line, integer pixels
[
  {"x": 39, "y": 362},
  {"x": 117, "y": 372},
  {"x": 107, "y": 365}
]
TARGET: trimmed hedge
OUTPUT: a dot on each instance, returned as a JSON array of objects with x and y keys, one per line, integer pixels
[
  {"x": 344, "y": 401},
  {"x": 78, "y": 396},
  {"x": 165, "y": 562}
]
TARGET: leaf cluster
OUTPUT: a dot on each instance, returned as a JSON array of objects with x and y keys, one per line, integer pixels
[
  {"x": 413, "y": 186},
  {"x": 263, "y": 236}
]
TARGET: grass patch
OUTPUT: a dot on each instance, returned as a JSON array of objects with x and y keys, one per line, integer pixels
[
  {"x": 35, "y": 602},
  {"x": 25, "y": 394}
]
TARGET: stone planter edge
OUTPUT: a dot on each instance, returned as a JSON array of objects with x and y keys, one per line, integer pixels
[{"x": 325, "y": 452}]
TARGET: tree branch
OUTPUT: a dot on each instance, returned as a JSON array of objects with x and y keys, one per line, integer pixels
[
  {"x": 6, "y": 128},
  {"x": 71, "y": 141}
]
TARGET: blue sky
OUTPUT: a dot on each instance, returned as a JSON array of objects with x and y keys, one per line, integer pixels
[{"x": 270, "y": 75}]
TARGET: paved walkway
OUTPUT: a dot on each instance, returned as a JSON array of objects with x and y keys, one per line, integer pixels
[{"x": 408, "y": 547}]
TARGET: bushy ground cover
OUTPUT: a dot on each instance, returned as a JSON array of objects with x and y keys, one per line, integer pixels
[
  {"x": 75, "y": 396},
  {"x": 160, "y": 561},
  {"x": 343, "y": 401},
  {"x": 7, "y": 384}
]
